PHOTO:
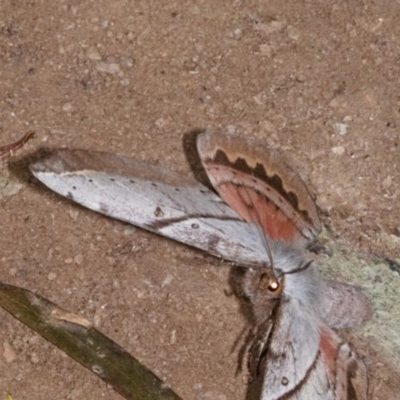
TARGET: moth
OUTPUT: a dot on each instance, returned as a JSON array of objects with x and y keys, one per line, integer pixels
[{"x": 263, "y": 220}]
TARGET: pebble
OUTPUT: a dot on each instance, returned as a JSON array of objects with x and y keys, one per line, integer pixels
[
  {"x": 93, "y": 54},
  {"x": 9, "y": 353},
  {"x": 108, "y": 68},
  {"x": 160, "y": 122},
  {"x": 293, "y": 33},
  {"x": 35, "y": 359},
  {"x": 68, "y": 107},
  {"x": 51, "y": 276},
  {"x": 269, "y": 27},
  {"x": 265, "y": 50},
  {"x": 338, "y": 150},
  {"x": 78, "y": 259},
  {"x": 340, "y": 129}
]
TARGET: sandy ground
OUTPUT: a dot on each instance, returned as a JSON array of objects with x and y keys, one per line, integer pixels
[{"x": 317, "y": 80}]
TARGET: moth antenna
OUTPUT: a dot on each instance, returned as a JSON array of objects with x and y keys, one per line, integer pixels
[
  {"x": 257, "y": 221},
  {"x": 267, "y": 246}
]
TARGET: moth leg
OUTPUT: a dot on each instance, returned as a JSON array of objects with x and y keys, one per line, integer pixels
[
  {"x": 352, "y": 378},
  {"x": 259, "y": 347},
  {"x": 244, "y": 351}
]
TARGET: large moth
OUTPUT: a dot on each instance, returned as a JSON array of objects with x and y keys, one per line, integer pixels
[{"x": 263, "y": 219}]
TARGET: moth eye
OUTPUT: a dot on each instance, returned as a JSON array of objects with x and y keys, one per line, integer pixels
[
  {"x": 273, "y": 285},
  {"x": 285, "y": 381},
  {"x": 269, "y": 283}
]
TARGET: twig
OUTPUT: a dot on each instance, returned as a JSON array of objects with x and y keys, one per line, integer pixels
[{"x": 9, "y": 149}]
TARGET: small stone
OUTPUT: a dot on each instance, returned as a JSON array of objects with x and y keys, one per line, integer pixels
[
  {"x": 269, "y": 27},
  {"x": 9, "y": 353},
  {"x": 160, "y": 122},
  {"x": 8, "y": 187},
  {"x": 265, "y": 50},
  {"x": 293, "y": 33},
  {"x": 338, "y": 150},
  {"x": 173, "y": 337},
  {"x": 125, "y": 82},
  {"x": 93, "y": 54},
  {"x": 78, "y": 259},
  {"x": 168, "y": 279},
  {"x": 348, "y": 118},
  {"x": 68, "y": 107},
  {"x": 108, "y": 68},
  {"x": 74, "y": 214},
  {"x": 35, "y": 359},
  {"x": 129, "y": 62},
  {"x": 237, "y": 33},
  {"x": 340, "y": 129},
  {"x": 129, "y": 230},
  {"x": 260, "y": 98},
  {"x": 267, "y": 126},
  {"x": 387, "y": 182},
  {"x": 51, "y": 276}
]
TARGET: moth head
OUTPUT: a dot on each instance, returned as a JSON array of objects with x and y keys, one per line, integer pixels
[
  {"x": 261, "y": 285},
  {"x": 263, "y": 288}
]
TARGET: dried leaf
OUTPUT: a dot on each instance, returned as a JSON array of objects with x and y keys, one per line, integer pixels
[{"x": 76, "y": 336}]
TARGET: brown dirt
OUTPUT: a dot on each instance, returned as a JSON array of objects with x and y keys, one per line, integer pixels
[{"x": 318, "y": 80}]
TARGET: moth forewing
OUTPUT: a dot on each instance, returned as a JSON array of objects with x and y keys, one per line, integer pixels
[
  {"x": 292, "y": 351},
  {"x": 154, "y": 198}
]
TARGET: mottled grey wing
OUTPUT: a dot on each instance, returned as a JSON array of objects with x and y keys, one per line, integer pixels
[
  {"x": 154, "y": 198},
  {"x": 292, "y": 353},
  {"x": 306, "y": 360},
  {"x": 344, "y": 306}
]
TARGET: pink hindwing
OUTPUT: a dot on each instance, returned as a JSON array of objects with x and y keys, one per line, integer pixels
[{"x": 256, "y": 183}]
